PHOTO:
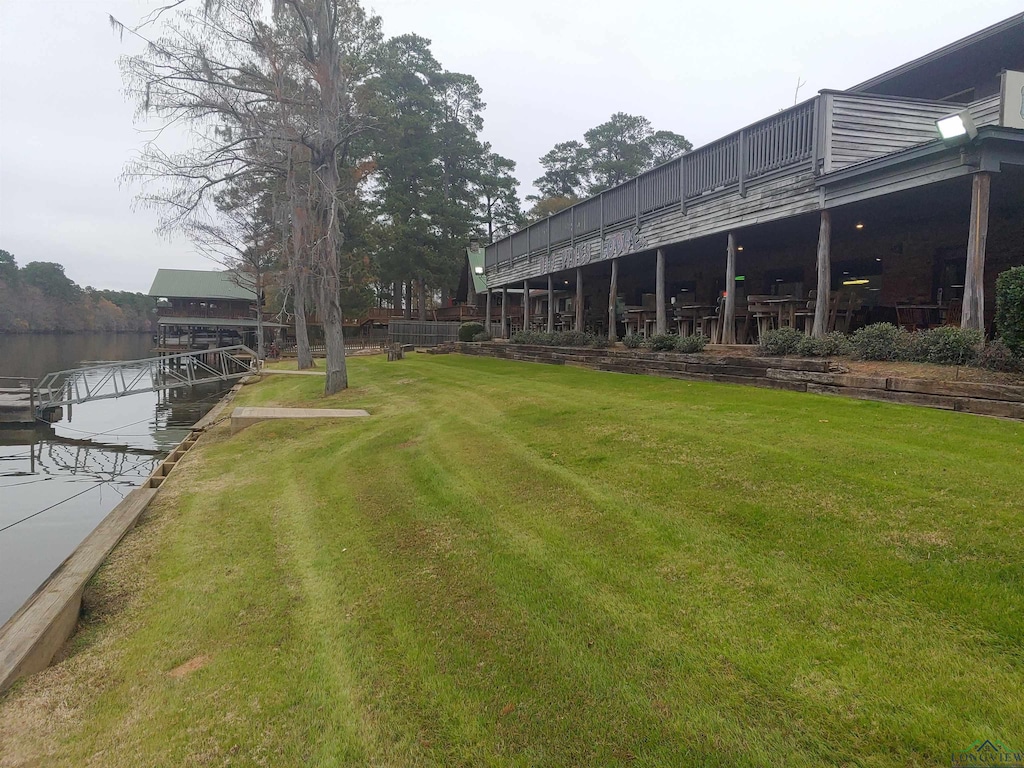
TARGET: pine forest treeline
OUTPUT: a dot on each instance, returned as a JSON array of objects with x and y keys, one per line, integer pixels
[{"x": 40, "y": 298}]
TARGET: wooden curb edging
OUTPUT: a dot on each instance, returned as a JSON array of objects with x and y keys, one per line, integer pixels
[
  {"x": 817, "y": 376},
  {"x": 31, "y": 638}
]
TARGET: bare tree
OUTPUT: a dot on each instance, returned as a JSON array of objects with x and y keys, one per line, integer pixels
[
  {"x": 244, "y": 239},
  {"x": 265, "y": 95}
]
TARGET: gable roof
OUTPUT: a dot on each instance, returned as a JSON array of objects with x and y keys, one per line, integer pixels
[
  {"x": 994, "y": 48},
  {"x": 198, "y": 284}
]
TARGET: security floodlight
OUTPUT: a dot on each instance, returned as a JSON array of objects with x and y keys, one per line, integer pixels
[
  {"x": 956, "y": 126},
  {"x": 478, "y": 270}
]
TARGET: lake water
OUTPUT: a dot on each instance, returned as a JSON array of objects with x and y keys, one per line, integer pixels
[{"x": 58, "y": 481}]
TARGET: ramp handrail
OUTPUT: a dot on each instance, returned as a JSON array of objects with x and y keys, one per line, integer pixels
[{"x": 128, "y": 377}]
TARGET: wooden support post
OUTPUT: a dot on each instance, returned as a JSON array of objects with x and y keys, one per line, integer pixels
[
  {"x": 824, "y": 290},
  {"x": 727, "y": 322},
  {"x": 487, "y": 318},
  {"x": 659, "y": 293},
  {"x": 579, "y": 299},
  {"x": 551, "y": 304},
  {"x": 973, "y": 316},
  {"x": 504, "y": 311},
  {"x": 526, "y": 305},
  {"x": 613, "y": 295}
]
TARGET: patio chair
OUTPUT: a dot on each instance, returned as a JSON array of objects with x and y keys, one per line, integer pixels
[{"x": 804, "y": 316}]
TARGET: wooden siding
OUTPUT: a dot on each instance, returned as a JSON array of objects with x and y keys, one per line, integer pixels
[
  {"x": 768, "y": 199},
  {"x": 780, "y": 195},
  {"x": 986, "y": 111},
  {"x": 861, "y": 127},
  {"x": 896, "y": 179}
]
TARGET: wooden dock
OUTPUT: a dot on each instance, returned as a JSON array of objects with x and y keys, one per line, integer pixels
[{"x": 18, "y": 406}]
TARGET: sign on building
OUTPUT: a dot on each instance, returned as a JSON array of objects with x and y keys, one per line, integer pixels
[{"x": 1013, "y": 100}]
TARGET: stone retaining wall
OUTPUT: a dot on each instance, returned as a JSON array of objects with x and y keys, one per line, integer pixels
[{"x": 819, "y": 376}]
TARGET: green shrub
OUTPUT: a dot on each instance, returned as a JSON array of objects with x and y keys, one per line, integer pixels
[
  {"x": 996, "y": 356},
  {"x": 834, "y": 344},
  {"x": 482, "y": 336},
  {"x": 948, "y": 345},
  {"x": 691, "y": 344},
  {"x": 570, "y": 339},
  {"x": 468, "y": 330},
  {"x": 528, "y": 337},
  {"x": 781, "y": 341},
  {"x": 880, "y": 341},
  {"x": 633, "y": 340},
  {"x": 597, "y": 341},
  {"x": 559, "y": 339},
  {"x": 1010, "y": 309},
  {"x": 663, "y": 342}
]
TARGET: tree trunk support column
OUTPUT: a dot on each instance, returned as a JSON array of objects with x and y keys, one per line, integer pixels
[
  {"x": 504, "y": 312},
  {"x": 824, "y": 290},
  {"x": 613, "y": 292},
  {"x": 659, "y": 294},
  {"x": 728, "y": 319},
  {"x": 551, "y": 304},
  {"x": 973, "y": 316},
  {"x": 579, "y": 300},
  {"x": 487, "y": 317},
  {"x": 526, "y": 305}
]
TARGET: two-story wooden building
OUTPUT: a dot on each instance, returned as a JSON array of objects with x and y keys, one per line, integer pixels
[
  {"x": 203, "y": 309},
  {"x": 850, "y": 205}
]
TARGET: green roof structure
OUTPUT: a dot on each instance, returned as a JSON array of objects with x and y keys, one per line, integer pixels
[
  {"x": 200, "y": 284},
  {"x": 476, "y": 269}
]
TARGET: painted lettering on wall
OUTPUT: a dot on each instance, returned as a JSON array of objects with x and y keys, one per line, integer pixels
[{"x": 614, "y": 245}]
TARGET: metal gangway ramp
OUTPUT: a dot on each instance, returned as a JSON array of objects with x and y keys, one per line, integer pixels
[{"x": 129, "y": 377}]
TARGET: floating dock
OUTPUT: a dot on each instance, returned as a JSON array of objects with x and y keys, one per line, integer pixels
[{"x": 18, "y": 406}]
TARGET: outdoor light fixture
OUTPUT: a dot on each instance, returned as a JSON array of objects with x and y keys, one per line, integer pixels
[
  {"x": 739, "y": 248},
  {"x": 956, "y": 126},
  {"x": 478, "y": 270},
  {"x": 858, "y": 281},
  {"x": 859, "y": 225}
]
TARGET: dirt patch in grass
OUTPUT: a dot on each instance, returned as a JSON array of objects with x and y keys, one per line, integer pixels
[{"x": 189, "y": 666}]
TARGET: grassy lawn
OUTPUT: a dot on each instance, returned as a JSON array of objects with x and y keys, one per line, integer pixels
[{"x": 517, "y": 564}]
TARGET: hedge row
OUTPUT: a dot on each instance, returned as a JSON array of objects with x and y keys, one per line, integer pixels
[
  {"x": 947, "y": 345},
  {"x": 560, "y": 339},
  {"x": 667, "y": 342}
]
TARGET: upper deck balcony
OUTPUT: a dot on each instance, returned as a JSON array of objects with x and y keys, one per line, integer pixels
[{"x": 769, "y": 170}]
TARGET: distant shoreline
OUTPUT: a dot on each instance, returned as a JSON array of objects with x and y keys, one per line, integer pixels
[{"x": 72, "y": 333}]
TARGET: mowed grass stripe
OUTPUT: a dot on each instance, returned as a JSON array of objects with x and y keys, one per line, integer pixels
[{"x": 516, "y": 564}]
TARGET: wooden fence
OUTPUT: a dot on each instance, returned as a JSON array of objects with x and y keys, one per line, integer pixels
[{"x": 422, "y": 334}]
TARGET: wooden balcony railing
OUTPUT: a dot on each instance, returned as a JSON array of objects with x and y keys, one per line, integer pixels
[{"x": 833, "y": 130}]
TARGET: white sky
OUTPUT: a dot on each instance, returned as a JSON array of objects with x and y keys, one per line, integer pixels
[{"x": 549, "y": 71}]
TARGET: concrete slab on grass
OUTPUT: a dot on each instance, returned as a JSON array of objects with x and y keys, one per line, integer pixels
[{"x": 246, "y": 417}]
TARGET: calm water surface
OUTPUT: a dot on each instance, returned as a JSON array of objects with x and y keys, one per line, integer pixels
[{"x": 58, "y": 481}]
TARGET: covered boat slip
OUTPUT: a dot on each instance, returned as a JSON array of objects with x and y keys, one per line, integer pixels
[{"x": 846, "y": 209}]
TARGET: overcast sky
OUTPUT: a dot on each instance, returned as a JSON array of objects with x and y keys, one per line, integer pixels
[{"x": 549, "y": 71}]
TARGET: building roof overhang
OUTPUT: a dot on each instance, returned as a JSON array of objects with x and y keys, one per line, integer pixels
[
  {"x": 991, "y": 42},
  {"x": 992, "y": 147}
]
